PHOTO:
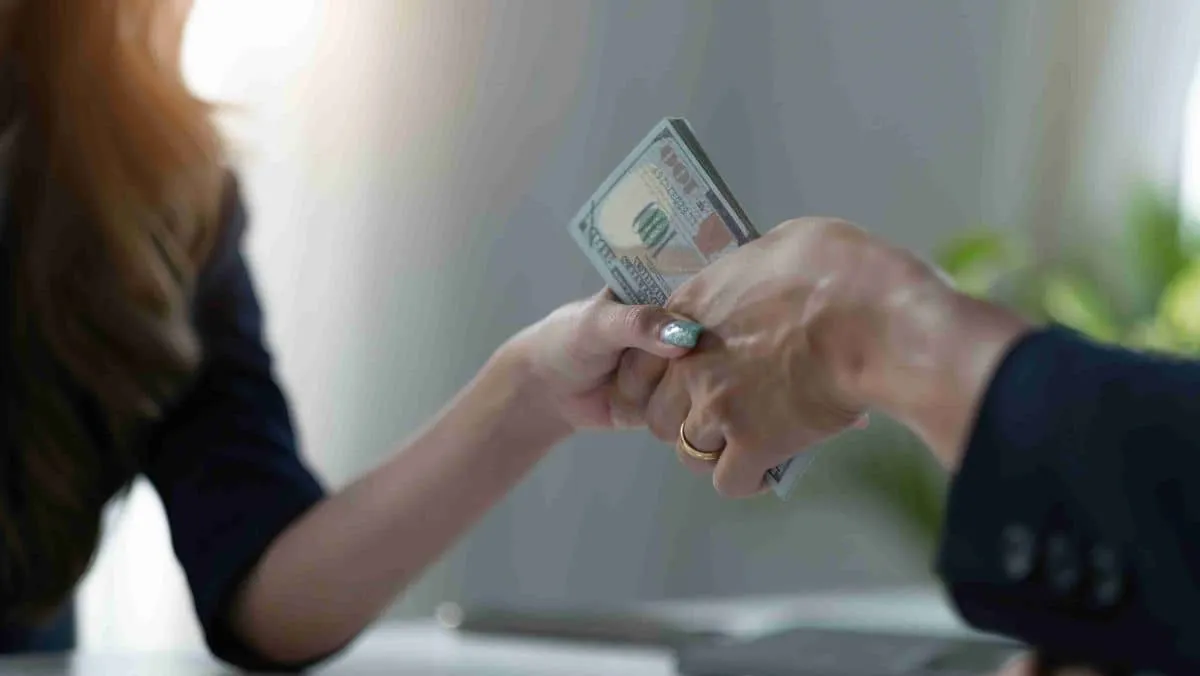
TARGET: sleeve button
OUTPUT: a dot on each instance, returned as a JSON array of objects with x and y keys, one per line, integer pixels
[
  {"x": 1062, "y": 565},
  {"x": 1017, "y": 552},
  {"x": 1108, "y": 577}
]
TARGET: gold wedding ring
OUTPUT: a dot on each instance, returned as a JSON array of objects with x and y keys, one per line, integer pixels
[{"x": 706, "y": 456}]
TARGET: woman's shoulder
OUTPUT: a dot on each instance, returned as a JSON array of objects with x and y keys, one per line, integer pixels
[{"x": 231, "y": 230}]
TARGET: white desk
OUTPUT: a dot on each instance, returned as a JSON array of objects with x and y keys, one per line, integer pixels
[
  {"x": 395, "y": 649},
  {"x": 425, "y": 649}
]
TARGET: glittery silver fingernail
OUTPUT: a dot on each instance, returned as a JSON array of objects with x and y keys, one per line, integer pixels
[{"x": 681, "y": 333}]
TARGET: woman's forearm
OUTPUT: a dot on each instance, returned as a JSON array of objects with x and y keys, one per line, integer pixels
[{"x": 342, "y": 564}]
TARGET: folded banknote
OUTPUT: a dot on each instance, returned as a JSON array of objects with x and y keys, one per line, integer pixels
[{"x": 660, "y": 218}]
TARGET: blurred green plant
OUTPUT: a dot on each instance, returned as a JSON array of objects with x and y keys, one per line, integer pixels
[
  {"x": 895, "y": 471},
  {"x": 1155, "y": 307}
]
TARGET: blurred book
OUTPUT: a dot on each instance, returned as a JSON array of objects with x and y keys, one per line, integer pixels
[
  {"x": 614, "y": 627},
  {"x": 920, "y": 610},
  {"x": 890, "y": 632},
  {"x": 846, "y": 652}
]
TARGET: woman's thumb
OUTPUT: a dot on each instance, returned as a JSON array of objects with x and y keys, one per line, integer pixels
[{"x": 653, "y": 329}]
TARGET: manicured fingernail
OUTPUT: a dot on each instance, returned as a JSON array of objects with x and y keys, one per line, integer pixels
[{"x": 681, "y": 333}]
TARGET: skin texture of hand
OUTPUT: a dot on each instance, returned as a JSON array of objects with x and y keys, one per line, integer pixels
[
  {"x": 574, "y": 354},
  {"x": 808, "y": 327}
]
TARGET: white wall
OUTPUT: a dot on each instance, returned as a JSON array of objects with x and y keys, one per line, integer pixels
[{"x": 410, "y": 166}]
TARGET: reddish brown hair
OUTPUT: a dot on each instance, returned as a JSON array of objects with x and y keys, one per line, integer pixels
[{"x": 114, "y": 196}]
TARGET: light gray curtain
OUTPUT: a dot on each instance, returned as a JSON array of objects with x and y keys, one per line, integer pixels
[{"x": 1094, "y": 96}]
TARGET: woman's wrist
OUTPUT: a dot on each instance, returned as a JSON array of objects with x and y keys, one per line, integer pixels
[{"x": 525, "y": 398}]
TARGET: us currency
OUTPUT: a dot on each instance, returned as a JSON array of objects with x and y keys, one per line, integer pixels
[{"x": 657, "y": 220}]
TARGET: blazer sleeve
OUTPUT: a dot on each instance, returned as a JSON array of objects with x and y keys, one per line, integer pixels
[
  {"x": 224, "y": 458},
  {"x": 1073, "y": 523}
]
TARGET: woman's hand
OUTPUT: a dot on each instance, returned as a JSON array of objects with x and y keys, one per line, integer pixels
[
  {"x": 807, "y": 328},
  {"x": 573, "y": 356},
  {"x": 344, "y": 561}
]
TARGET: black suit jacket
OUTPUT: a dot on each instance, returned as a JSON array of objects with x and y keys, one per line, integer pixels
[{"x": 1074, "y": 521}]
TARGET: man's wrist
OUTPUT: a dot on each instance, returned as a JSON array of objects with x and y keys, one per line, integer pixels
[{"x": 933, "y": 361}]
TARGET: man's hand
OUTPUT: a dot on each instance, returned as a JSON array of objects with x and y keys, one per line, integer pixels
[{"x": 808, "y": 327}]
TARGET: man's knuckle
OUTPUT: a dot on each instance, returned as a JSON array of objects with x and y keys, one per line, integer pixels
[
  {"x": 721, "y": 407},
  {"x": 662, "y": 424},
  {"x": 625, "y": 415},
  {"x": 661, "y": 429},
  {"x": 681, "y": 296},
  {"x": 724, "y": 488}
]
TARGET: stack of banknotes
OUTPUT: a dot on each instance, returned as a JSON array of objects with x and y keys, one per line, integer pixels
[{"x": 657, "y": 220}]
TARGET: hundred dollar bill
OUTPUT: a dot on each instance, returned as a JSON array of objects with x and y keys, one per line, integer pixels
[{"x": 660, "y": 218}]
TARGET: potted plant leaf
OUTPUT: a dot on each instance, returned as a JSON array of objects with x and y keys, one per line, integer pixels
[{"x": 1154, "y": 305}]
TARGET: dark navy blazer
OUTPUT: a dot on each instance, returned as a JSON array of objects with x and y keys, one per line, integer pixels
[
  {"x": 223, "y": 458},
  {"x": 1074, "y": 521}
]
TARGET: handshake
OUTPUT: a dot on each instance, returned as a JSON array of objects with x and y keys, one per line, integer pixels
[
  {"x": 744, "y": 351},
  {"x": 793, "y": 338},
  {"x": 794, "y": 335}
]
